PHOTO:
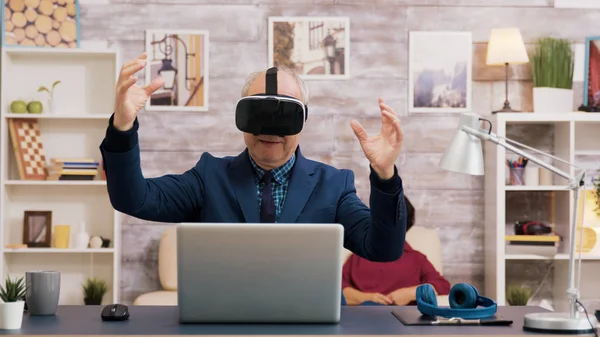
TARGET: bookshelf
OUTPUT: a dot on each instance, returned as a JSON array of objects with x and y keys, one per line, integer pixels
[
  {"x": 72, "y": 129},
  {"x": 571, "y": 136}
]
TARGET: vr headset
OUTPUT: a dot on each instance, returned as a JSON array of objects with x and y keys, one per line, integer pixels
[
  {"x": 270, "y": 113},
  {"x": 465, "y": 302}
]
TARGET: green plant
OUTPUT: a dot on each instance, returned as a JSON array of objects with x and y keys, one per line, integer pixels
[
  {"x": 13, "y": 291},
  {"x": 50, "y": 90},
  {"x": 552, "y": 63},
  {"x": 517, "y": 295},
  {"x": 94, "y": 289}
]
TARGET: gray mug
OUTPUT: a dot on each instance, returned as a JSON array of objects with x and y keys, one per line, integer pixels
[{"x": 43, "y": 291}]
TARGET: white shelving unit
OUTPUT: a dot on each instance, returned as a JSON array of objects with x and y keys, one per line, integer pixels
[
  {"x": 84, "y": 101},
  {"x": 575, "y": 134}
]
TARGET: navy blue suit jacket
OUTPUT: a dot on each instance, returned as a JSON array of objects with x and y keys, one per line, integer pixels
[{"x": 224, "y": 190}]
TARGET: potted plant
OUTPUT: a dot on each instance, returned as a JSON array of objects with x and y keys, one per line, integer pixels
[
  {"x": 93, "y": 291},
  {"x": 11, "y": 310},
  {"x": 518, "y": 296},
  {"x": 552, "y": 65},
  {"x": 50, "y": 92}
]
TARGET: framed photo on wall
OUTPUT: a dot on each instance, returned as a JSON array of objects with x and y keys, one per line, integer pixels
[
  {"x": 45, "y": 23},
  {"x": 180, "y": 57},
  {"x": 439, "y": 74},
  {"x": 37, "y": 228},
  {"x": 315, "y": 47}
]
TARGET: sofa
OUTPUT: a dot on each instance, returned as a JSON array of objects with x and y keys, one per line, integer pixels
[{"x": 422, "y": 239}]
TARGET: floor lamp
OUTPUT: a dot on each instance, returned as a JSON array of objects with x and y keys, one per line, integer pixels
[
  {"x": 464, "y": 154},
  {"x": 506, "y": 47}
]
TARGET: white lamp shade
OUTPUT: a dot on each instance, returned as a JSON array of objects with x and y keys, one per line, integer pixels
[
  {"x": 169, "y": 76},
  {"x": 464, "y": 154},
  {"x": 506, "y": 46}
]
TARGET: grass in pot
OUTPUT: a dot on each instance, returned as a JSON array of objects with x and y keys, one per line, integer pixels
[
  {"x": 518, "y": 296},
  {"x": 93, "y": 291},
  {"x": 552, "y": 66},
  {"x": 11, "y": 310}
]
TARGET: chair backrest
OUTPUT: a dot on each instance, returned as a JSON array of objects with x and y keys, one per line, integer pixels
[
  {"x": 426, "y": 241},
  {"x": 167, "y": 259}
]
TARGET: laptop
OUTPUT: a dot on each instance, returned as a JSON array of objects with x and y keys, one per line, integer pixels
[{"x": 259, "y": 273}]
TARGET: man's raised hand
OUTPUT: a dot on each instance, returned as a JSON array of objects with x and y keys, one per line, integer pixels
[
  {"x": 382, "y": 150},
  {"x": 131, "y": 98}
]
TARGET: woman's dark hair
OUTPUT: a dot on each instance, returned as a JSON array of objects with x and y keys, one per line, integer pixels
[{"x": 410, "y": 214}]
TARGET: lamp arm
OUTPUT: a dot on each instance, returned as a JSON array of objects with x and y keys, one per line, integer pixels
[
  {"x": 489, "y": 136},
  {"x": 538, "y": 151}
]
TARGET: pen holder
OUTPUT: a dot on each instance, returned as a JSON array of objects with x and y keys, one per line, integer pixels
[{"x": 517, "y": 175}]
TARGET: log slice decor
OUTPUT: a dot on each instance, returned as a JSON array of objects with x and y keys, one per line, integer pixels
[{"x": 41, "y": 23}]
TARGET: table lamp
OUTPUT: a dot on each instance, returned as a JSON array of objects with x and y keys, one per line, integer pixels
[
  {"x": 505, "y": 47},
  {"x": 465, "y": 155}
]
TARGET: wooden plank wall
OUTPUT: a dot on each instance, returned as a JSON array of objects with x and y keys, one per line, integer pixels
[{"x": 173, "y": 142}]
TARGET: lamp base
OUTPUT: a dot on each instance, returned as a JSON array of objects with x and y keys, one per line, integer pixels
[
  {"x": 506, "y": 108},
  {"x": 559, "y": 323}
]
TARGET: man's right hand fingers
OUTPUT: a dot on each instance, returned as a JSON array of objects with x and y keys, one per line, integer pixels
[
  {"x": 127, "y": 64},
  {"x": 123, "y": 87},
  {"x": 131, "y": 69},
  {"x": 156, "y": 84}
]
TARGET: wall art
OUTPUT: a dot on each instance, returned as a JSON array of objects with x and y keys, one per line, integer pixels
[
  {"x": 439, "y": 75},
  {"x": 180, "y": 57},
  {"x": 314, "y": 47}
]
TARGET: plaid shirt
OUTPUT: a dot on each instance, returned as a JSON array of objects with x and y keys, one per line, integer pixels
[{"x": 281, "y": 177}]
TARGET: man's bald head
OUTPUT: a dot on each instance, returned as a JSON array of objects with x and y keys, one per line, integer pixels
[{"x": 288, "y": 83}]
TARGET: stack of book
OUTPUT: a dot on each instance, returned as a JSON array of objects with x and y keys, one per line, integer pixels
[
  {"x": 543, "y": 245},
  {"x": 72, "y": 169}
]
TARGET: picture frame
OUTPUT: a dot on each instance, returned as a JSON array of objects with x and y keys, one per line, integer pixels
[
  {"x": 445, "y": 57},
  {"x": 591, "y": 79},
  {"x": 317, "y": 48},
  {"x": 169, "y": 52},
  {"x": 37, "y": 228},
  {"x": 41, "y": 24}
]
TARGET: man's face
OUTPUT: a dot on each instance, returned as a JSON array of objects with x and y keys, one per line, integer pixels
[{"x": 273, "y": 151}]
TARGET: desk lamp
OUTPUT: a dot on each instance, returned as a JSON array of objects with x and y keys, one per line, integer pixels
[{"x": 465, "y": 155}]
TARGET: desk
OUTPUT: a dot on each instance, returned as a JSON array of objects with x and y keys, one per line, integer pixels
[{"x": 162, "y": 321}]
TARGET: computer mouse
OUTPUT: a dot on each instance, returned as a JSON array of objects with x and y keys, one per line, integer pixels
[{"x": 115, "y": 312}]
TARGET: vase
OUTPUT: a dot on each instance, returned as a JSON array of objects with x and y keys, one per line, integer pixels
[
  {"x": 552, "y": 100},
  {"x": 11, "y": 315},
  {"x": 51, "y": 106},
  {"x": 92, "y": 301}
]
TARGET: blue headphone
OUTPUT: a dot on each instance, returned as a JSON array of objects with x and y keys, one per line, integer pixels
[{"x": 464, "y": 300}]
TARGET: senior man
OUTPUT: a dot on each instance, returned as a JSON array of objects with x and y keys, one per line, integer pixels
[{"x": 270, "y": 181}]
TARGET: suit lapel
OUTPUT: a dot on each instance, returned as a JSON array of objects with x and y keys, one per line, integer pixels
[
  {"x": 302, "y": 184},
  {"x": 242, "y": 178}
]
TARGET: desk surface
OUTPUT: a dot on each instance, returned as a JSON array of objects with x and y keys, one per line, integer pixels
[{"x": 162, "y": 321}]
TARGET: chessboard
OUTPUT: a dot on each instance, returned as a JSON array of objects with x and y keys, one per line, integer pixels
[{"x": 28, "y": 149}]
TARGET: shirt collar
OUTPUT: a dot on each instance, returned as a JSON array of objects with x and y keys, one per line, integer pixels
[{"x": 280, "y": 174}]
